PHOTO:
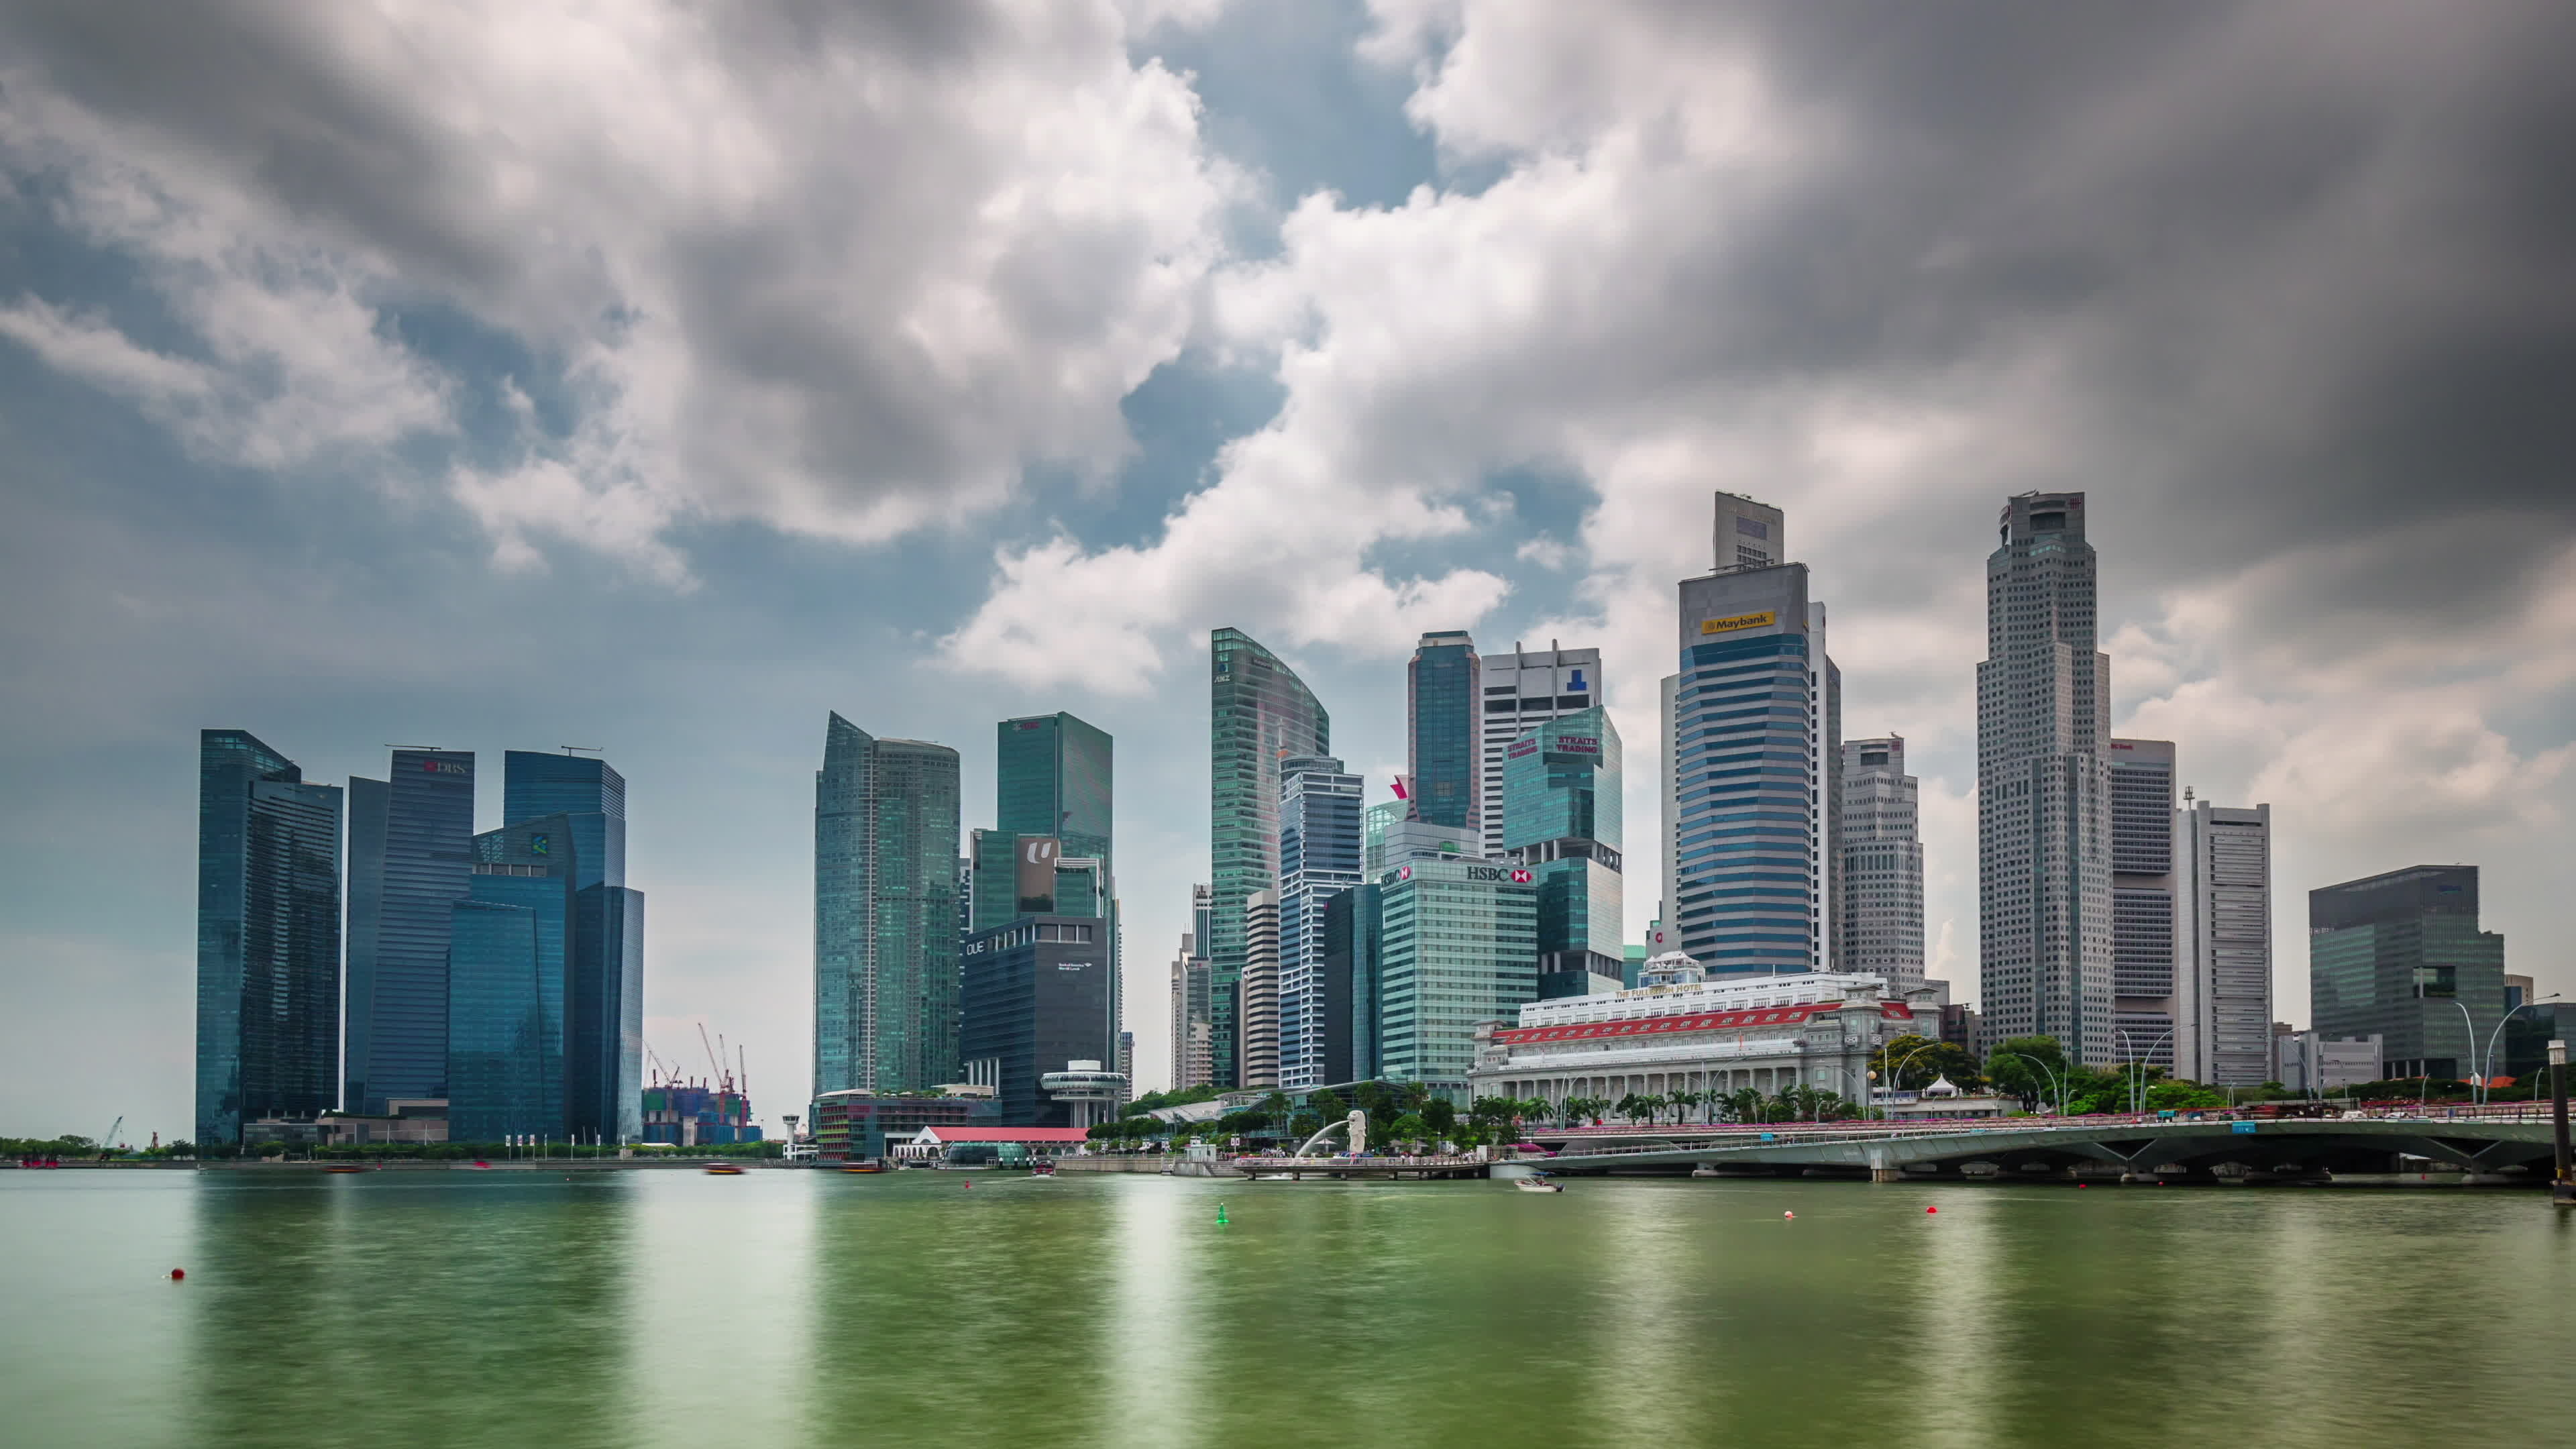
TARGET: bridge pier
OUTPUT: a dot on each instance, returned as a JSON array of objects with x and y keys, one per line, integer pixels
[{"x": 1887, "y": 1174}]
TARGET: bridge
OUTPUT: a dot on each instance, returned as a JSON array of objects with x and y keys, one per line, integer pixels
[
  {"x": 2289, "y": 1147},
  {"x": 1389, "y": 1169}
]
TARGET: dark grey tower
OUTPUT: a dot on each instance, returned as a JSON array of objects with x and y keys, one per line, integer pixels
[{"x": 268, "y": 937}]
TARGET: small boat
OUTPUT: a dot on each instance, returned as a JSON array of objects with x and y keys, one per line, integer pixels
[
  {"x": 1043, "y": 1167},
  {"x": 344, "y": 1167},
  {"x": 723, "y": 1169},
  {"x": 863, "y": 1167},
  {"x": 1537, "y": 1184}
]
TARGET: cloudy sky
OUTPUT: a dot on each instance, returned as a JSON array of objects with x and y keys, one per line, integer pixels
[{"x": 507, "y": 376}]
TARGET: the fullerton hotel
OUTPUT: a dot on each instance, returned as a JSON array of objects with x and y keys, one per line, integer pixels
[{"x": 1682, "y": 1033}]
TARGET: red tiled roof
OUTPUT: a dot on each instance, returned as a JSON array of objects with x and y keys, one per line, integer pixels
[
  {"x": 1696, "y": 1021},
  {"x": 947, "y": 1133}
]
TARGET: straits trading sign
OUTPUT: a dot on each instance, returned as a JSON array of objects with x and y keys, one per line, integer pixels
[{"x": 1739, "y": 621}]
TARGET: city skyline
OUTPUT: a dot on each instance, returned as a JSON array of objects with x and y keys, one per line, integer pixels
[{"x": 469, "y": 449}]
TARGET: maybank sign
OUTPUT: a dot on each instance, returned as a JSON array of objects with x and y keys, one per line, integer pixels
[{"x": 1739, "y": 621}]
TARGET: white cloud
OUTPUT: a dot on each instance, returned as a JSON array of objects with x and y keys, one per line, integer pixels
[{"x": 842, "y": 272}]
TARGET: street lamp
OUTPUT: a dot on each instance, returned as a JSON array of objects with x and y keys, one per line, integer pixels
[
  {"x": 2137, "y": 1088},
  {"x": 2053, "y": 1082},
  {"x": 1893, "y": 1068},
  {"x": 2499, "y": 1031}
]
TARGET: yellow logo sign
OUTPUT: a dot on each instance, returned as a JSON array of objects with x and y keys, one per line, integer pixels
[{"x": 1740, "y": 621}]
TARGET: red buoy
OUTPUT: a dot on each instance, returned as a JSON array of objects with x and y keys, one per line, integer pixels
[
  {"x": 1788, "y": 1215},
  {"x": 178, "y": 1273},
  {"x": 1931, "y": 1210}
]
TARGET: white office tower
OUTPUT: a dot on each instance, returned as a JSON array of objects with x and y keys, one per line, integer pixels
[
  {"x": 1521, "y": 691},
  {"x": 2044, "y": 786},
  {"x": 1320, "y": 853},
  {"x": 2143, "y": 1021},
  {"x": 1752, "y": 746},
  {"x": 2224, "y": 930},
  {"x": 1880, "y": 931},
  {"x": 1748, "y": 535},
  {"x": 1191, "y": 1040}
]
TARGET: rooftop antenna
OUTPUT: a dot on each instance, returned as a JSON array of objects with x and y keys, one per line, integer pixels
[
  {"x": 440, "y": 748},
  {"x": 593, "y": 749}
]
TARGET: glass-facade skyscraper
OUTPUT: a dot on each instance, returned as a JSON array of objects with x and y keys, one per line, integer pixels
[
  {"x": 1442, "y": 701},
  {"x": 603, "y": 993},
  {"x": 1319, "y": 858},
  {"x": 1518, "y": 692},
  {"x": 411, "y": 855},
  {"x": 512, "y": 944},
  {"x": 2400, "y": 956},
  {"x": 1260, "y": 713},
  {"x": 885, "y": 913},
  {"x": 1753, "y": 753},
  {"x": 268, "y": 937},
  {"x": 1562, "y": 812}
]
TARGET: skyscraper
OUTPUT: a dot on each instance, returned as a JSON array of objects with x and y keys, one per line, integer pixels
[
  {"x": 1458, "y": 945},
  {"x": 2400, "y": 956},
  {"x": 1319, "y": 858},
  {"x": 2044, "y": 786},
  {"x": 1189, "y": 1017},
  {"x": 1753, "y": 752},
  {"x": 268, "y": 937},
  {"x": 1521, "y": 691},
  {"x": 2223, "y": 938},
  {"x": 1442, "y": 703},
  {"x": 603, "y": 989},
  {"x": 1562, "y": 812},
  {"x": 1036, "y": 999},
  {"x": 1353, "y": 988},
  {"x": 411, "y": 857},
  {"x": 512, "y": 944},
  {"x": 1260, "y": 1035},
  {"x": 1053, "y": 776},
  {"x": 1882, "y": 864},
  {"x": 1260, "y": 713},
  {"x": 885, "y": 913},
  {"x": 2144, "y": 1026}
]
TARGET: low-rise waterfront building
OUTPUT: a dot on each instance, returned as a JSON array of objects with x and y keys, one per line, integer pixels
[
  {"x": 1772, "y": 1033},
  {"x": 856, "y": 1124},
  {"x": 992, "y": 1146}
]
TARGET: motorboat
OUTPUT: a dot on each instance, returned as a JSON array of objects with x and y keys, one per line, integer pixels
[
  {"x": 1043, "y": 1167},
  {"x": 1537, "y": 1183},
  {"x": 864, "y": 1165},
  {"x": 723, "y": 1169}
]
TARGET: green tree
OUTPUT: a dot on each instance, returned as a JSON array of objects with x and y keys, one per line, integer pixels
[
  {"x": 1328, "y": 1104},
  {"x": 1922, "y": 1060},
  {"x": 1304, "y": 1125},
  {"x": 2032, "y": 1068},
  {"x": 1409, "y": 1128},
  {"x": 1440, "y": 1115}
]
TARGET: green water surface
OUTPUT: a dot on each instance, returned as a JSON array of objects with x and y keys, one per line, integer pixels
[{"x": 808, "y": 1308}]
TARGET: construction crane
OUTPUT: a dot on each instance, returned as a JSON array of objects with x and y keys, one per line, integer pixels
[
  {"x": 712, "y": 1060},
  {"x": 108, "y": 1145}
]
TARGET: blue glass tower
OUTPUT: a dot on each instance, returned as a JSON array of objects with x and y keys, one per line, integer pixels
[
  {"x": 1319, "y": 858},
  {"x": 1442, "y": 709},
  {"x": 510, "y": 968},
  {"x": 268, "y": 937},
  {"x": 411, "y": 854},
  {"x": 1561, "y": 818},
  {"x": 1749, "y": 724},
  {"x": 603, "y": 992},
  {"x": 534, "y": 784},
  {"x": 1259, "y": 713}
]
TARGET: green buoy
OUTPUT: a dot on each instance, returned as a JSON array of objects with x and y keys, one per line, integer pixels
[{"x": 1220, "y": 1214}]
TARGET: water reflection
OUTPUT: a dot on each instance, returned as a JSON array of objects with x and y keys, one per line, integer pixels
[
  {"x": 406, "y": 1309},
  {"x": 660, "y": 1308}
]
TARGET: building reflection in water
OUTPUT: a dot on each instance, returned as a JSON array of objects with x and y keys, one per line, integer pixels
[
  {"x": 409, "y": 1308},
  {"x": 961, "y": 1315}
]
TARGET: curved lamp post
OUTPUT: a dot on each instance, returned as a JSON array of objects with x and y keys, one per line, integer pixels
[
  {"x": 2043, "y": 1066},
  {"x": 2137, "y": 1088}
]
